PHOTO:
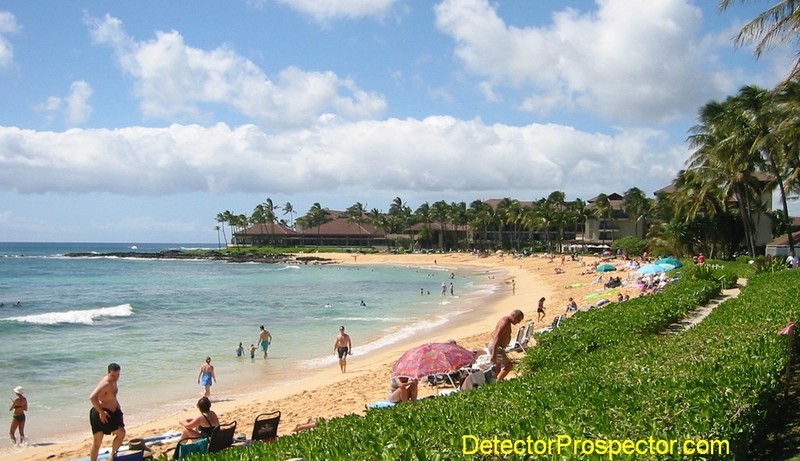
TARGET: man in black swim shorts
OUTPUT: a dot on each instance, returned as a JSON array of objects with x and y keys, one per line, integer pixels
[
  {"x": 342, "y": 346},
  {"x": 105, "y": 417}
]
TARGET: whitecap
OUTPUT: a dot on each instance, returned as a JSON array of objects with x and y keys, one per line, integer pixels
[{"x": 86, "y": 317}]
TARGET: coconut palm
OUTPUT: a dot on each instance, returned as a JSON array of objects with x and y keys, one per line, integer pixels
[
  {"x": 222, "y": 218},
  {"x": 356, "y": 214},
  {"x": 636, "y": 204},
  {"x": 219, "y": 244},
  {"x": 604, "y": 211},
  {"x": 778, "y": 24},
  {"x": 288, "y": 208}
]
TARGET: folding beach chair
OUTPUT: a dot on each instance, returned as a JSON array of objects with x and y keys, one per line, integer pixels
[
  {"x": 265, "y": 427},
  {"x": 222, "y": 437}
]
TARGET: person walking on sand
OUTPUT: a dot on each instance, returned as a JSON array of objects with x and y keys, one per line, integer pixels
[
  {"x": 19, "y": 406},
  {"x": 500, "y": 339},
  {"x": 540, "y": 310},
  {"x": 206, "y": 375},
  {"x": 106, "y": 417},
  {"x": 264, "y": 340},
  {"x": 344, "y": 347}
]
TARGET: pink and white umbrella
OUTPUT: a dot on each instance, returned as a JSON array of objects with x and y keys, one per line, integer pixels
[{"x": 431, "y": 359}]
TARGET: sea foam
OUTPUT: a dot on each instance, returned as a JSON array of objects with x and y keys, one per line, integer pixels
[{"x": 86, "y": 317}]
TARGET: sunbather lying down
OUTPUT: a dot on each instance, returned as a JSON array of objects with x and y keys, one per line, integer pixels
[{"x": 310, "y": 424}]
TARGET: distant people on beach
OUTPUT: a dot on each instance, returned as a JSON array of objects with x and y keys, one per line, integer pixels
[
  {"x": 451, "y": 289},
  {"x": 343, "y": 346},
  {"x": 203, "y": 425},
  {"x": 444, "y": 289},
  {"x": 239, "y": 350},
  {"x": 513, "y": 287},
  {"x": 421, "y": 292},
  {"x": 264, "y": 340},
  {"x": 363, "y": 304},
  {"x": 540, "y": 310},
  {"x": 106, "y": 417},
  {"x": 572, "y": 306},
  {"x": 19, "y": 405},
  {"x": 206, "y": 376},
  {"x": 500, "y": 339},
  {"x": 252, "y": 351}
]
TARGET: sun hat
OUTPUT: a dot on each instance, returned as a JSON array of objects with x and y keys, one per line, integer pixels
[
  {"x": 19, "y": 390},
  {"x": 139, "y": 445}
]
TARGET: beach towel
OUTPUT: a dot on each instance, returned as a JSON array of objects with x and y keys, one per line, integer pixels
[{"x": 182, "y": 450}]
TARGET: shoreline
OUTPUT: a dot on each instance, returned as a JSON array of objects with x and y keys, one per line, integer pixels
[{"x": 327, "y": 393}]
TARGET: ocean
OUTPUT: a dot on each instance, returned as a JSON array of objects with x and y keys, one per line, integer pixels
[{"x": 159, "y": 319}]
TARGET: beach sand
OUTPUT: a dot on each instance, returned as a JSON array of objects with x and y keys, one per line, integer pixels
[{"x": 329, "y": 393}]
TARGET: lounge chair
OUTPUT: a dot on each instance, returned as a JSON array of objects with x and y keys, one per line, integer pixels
[
  {"x": 520, "y": 343},
  {"x": 265, "y": 427},
  {"x": 556, "y": 323}
]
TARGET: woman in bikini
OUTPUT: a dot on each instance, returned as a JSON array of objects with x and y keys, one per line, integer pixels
[
  {"x": 19, "y": 406},
  {"x": 203, "y": 425}
]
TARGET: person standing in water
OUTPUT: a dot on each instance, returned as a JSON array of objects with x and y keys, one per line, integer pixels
[
  {"x": 264, "y": 340},
  {"x": 206, "y": 376},
  {"x": 19, "y": 406}
]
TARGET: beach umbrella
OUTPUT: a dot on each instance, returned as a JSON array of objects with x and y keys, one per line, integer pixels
[
  {"x": 667, "y": 266},
  {"x": 670, "y": 260},
  {"x": 650, "y": 269},
  {"x": 606, "y": 268},
  {"x": 431, "y": 359}
]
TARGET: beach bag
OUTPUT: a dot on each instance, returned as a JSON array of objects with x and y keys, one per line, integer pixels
[{"x": 182, "y": 450}]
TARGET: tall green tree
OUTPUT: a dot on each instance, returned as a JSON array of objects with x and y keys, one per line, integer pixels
[
  {"x": 776, "y": 25},
  {"x": 636, "y": 205},
  {"x": 357, "y": 214},
  {"x": 222, "y": 218},
  {"x": 604, "y": 211}
]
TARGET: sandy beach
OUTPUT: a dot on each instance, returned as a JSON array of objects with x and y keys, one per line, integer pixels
[{"x": 329, "y": 393}]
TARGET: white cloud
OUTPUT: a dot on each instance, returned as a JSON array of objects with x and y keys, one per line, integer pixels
[
  {"x": 176, "y": 81},
  {"x": 628, "y": 60},
  {"x": 326, "y": 10},
  {"x": 8, "y": 26},
  {"x": 433, "y": 155},
  {"x": 74, "y": 108}
]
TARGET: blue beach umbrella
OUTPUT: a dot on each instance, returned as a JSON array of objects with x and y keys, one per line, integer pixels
[
  {"x": 606, "y": 268},
  {"x": 670, "y": 260},
  {"x": 650, "y": 269},
  {"x": 667, "y": 266}
]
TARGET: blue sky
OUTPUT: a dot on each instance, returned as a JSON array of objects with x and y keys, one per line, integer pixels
[{"x": 140, "y": 121}]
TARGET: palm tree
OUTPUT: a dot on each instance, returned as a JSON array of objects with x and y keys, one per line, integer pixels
[
  {"x": 289, "y": 209},
  {"x": 723, "y": 140},
  {"x": 219, "y": 245},
  {"x": 378, "y": 219},
  {"x": 635, "y": 206},
  {"x": 440, "y": 211},
  {"x": 222, "y": 218},
  {"x": 778, "y": 24},
  {"x": 603, "y": 211},
  {"x": 773, "y": 119},
  {"x": 356, "y": 214},
  {"x": 479, "y": 215},
  {"x": 424, "y": 214}
]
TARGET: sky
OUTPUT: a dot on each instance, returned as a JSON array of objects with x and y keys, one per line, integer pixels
[{"x": 141, "y": 121}]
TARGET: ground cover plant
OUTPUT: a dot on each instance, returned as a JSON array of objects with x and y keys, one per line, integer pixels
[{"x": 604, "y": 375}]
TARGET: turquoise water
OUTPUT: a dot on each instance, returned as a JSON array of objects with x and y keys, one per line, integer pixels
[{"x": 160, "y": 318}]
